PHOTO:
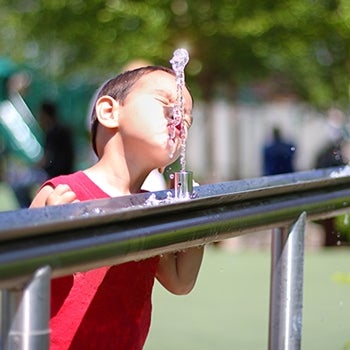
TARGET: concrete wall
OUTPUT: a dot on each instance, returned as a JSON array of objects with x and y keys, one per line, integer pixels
[{"x": 226, "y": 141}]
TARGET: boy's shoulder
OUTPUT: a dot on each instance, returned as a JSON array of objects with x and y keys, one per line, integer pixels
[{"x": 80, "y": 184}]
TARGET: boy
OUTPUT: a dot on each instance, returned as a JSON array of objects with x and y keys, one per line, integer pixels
[{"x": 110, "y": 307}]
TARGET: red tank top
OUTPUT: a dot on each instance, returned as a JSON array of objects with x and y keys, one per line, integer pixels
[{"x": 105, "y": 308}]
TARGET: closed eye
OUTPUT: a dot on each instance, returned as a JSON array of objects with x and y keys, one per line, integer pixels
[{"x": 169, "y": 112}]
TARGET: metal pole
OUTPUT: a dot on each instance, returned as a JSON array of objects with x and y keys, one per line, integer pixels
[
  {"x": 25, "y": 314},
  {"x": 286, "y": 293}
]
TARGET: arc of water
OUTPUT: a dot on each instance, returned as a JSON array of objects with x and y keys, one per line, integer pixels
[{"x": 179, "y": 61}]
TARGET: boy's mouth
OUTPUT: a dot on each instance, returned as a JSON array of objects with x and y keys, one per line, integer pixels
[
  {"x": 178, "y": 127},
  {"x": 174, "y": 134},
  {"x": 174, "y": 131}
]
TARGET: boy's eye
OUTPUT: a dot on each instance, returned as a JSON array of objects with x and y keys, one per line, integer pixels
[
  {"x": 169, "y": 112},
  {"x": 164, "y": 101}
]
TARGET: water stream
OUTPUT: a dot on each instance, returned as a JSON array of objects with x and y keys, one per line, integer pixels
[{"x": 179, "y": 60}]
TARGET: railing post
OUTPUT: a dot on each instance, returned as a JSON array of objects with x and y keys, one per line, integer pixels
[
  {"x": 286, "y": 293},
  {"x": 25, "y": 314}
]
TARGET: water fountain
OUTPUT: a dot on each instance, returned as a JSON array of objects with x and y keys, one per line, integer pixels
[{"x": 183, "y": 180}]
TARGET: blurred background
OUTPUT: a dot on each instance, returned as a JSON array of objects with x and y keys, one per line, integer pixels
[
  {"x": 262, "y": 72},
  {"x": 269, "y": 78},
  {"x": 254, "y": 66}
]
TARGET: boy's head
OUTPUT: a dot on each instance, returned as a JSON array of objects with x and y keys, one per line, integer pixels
[{"x": 119, "y": 88}]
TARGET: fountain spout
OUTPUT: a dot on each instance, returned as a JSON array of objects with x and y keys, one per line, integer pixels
[{"x": 183, "y": 185}]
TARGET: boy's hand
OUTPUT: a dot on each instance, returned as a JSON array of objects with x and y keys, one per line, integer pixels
[
  {"x": 48, "y": 195},
  {"x": 62, "y": 194}
]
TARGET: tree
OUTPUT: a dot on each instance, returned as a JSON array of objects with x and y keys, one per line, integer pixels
[{"x": 301, "y": 46}]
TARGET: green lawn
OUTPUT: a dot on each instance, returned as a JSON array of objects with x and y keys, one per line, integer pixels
[{"x": 229, "y": 307}]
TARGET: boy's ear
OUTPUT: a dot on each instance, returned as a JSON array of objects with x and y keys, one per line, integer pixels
[{"x": 107, "y": 111}]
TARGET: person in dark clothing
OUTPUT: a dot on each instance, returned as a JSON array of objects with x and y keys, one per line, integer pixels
[
  {"x": 58, "y": 156},
  {"x": 278, "y": 155},
  {"x": 331, "y": 155}
]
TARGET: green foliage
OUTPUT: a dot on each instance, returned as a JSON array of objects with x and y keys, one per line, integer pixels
[
  {"x": 303, "y": 45},
  {"x": 342, "y": 226}
]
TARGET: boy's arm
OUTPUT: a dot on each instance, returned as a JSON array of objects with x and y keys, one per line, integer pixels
[
  {"x": 48, "y": 195},
  {"x": 178, "y": 272}
]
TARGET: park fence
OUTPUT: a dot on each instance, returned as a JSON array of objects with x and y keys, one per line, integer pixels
[{"x": 39, "y": 244}]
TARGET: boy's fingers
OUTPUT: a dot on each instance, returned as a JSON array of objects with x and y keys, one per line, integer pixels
[
  {"x": 61, "y": 189},
  {"x": 62, "y": 194}
]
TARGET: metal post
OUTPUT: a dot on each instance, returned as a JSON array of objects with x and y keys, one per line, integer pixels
[
  {"x": 25, "y": 314},
  {"x": 286, "y": 293}
]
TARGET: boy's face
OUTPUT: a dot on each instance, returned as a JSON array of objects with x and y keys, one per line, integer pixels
[{"x": 146, "y": 116}]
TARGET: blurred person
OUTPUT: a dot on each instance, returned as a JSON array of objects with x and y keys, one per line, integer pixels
[
  {"x": 335, "y": 153},
  {"x": 330, "y": 156},
  {"x": 58, "y": 158},
  {"x": 335, "y": 150},
  {"x": 278, "y": 155}
]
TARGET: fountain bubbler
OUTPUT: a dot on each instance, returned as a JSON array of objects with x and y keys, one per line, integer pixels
[{"x": 183, "y": 180}]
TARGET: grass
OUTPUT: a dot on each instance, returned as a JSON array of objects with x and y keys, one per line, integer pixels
[{"x": 229, "y": 307}]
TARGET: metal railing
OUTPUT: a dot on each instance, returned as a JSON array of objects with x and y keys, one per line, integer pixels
[{"x": 37, "y": 244}]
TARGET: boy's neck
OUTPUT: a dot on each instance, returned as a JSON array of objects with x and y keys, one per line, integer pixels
[{"x": 114, "y": 180}]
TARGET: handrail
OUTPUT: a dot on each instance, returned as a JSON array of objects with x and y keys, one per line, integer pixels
[
  {"x": 90, "y": 234},
  {"x": 76, "y": 237}
]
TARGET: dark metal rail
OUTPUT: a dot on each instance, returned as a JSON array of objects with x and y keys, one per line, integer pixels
[
  {"x": 91, "y": 234},
  {"x": 37, "y": 244}
]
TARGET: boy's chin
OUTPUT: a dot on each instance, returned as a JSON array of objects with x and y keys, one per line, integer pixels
[
  {"x": 168, "y": 159},
  {"x": 172, "y": 156}
]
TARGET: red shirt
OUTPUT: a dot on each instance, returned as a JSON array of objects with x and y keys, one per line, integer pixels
[{"x": 105, "y": 308}]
